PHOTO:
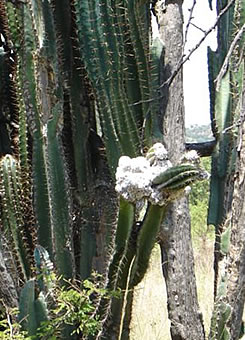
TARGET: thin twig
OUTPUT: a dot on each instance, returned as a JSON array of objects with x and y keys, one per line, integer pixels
[
  {"x": 10, "y": 326},
  {"x": 182, "y": 60},
  {"x": 125, "y": 298},
  {"x": 235, "y": 124},
  {"x": 225, "y": 65},
  {"x": 188, "y": 23},
  {"x": 199, "y": 28}
]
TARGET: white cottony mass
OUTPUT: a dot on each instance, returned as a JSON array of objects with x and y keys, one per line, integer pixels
[
  {"x": 154, "y": 178},
  {"x": 134, "y": 176}
]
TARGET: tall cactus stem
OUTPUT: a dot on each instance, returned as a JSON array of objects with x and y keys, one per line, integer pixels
[
  {"x": 124, "y": 228},
  {"x": 145, "y": 242}
]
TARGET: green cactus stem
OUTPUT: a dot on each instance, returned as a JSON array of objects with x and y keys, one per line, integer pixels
[
  {"x": 146, "y": 241},
  {"x": 12, "y": 217},
  {"x": 176, "y": 177},
  {"x": 124, "y": 227},
  {"x": 225, "y": 240},
  {"x": 138, "y": 180},
  {"x": 221, "y": 313},
  {"x": 44, "y": 268},
  {"x": 46, "y": 122},
  {"x": 32, "y": 311}
]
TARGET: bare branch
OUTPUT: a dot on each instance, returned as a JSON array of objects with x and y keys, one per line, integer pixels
[
  {"x": 236, "y": 124},
  {"x": 204, "y": 149},
  {"x": 184, "y": 59},
  {"x": 225, "y": 65},
  {"x": 199, "y": 28},
  {"x": 188, "y": 24}
]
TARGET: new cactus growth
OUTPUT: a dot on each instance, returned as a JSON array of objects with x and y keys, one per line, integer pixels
[
  {"x": 33, "y": 310},
  {"x": 221, "y": 313},
  {"x": 44, "y": 268}
]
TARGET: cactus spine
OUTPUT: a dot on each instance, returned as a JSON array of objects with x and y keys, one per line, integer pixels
[
  {"x": 79, "y": 87},
  {"x": 226, "y": 75}
]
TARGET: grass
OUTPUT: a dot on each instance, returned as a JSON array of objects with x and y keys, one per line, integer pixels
[
  {"x": 150, "y": 317},
  {"x": 203, "y": 254}
]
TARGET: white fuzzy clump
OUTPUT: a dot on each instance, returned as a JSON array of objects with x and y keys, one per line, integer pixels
[
  {"x": 133, "y": 178},
  {"x": 158, "y": 156},
  {"x": 190, "y": 157},
  {"x": 134, "y": 175}
]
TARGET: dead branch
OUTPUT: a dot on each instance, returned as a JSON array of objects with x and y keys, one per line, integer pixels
[
  {"x": 184, "y": 59},
  {"x": 225, "y": 65}
]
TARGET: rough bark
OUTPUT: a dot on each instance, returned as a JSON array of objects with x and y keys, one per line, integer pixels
[
  {"x": 236, "y": 256},
  {"x": 175, "y": 238},
  {"x": 8, "y": 291}
]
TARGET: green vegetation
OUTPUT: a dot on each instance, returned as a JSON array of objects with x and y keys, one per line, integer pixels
[
  {"x": 9, "y": 328},
  {"x": 198, "y": 133},
  {"x": 198, "y": 199},
  {"x": 72, "y": 305},
  {"x": 199, "y": 195}
]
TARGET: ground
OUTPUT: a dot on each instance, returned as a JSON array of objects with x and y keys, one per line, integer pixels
[{"x": 150, "y": 320}]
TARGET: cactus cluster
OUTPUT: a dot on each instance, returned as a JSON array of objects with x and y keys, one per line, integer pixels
[
  {"x": 76, "y": 79},
  {"x": 226, "y": 79},
  {"x": 33, "y": 301},
  {"x": 114, "y": 40},
  {"x": 226, "y": 71},
  {"x": 78, "y": 89}
]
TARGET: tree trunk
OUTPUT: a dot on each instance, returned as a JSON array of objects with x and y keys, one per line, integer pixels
[
  {"x": 175, "y": 238},
  {"x": 236, "y": 255},
  {"x": 9, "y": 281}
]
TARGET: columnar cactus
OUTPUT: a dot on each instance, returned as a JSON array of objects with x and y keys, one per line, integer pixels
[
  {"x": 226, "y": 83},
  {"x": 53, "y": 71},
  {"x": 226, "y": 74},
  {"x": 78, "y": 86}
]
